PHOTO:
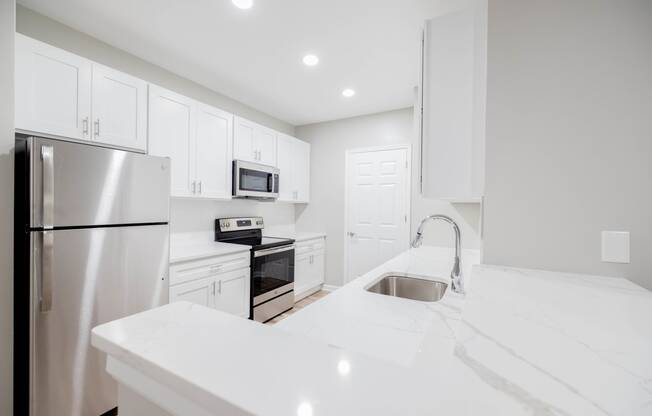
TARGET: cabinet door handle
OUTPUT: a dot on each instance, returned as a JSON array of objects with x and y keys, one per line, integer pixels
[
  {"x": 219, "y": 290},
  {"x": 193, "y": 187},
  {"x": 213, "y": 288},
  {"x": 85, "y": 126},
  {"x": 97, "y": 127},
  {"x": 199, "y": 186}
]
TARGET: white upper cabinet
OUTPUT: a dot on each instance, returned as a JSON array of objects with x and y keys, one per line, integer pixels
[
  {"x": 294, "y": 164},
  {"x": 285, "y": 159},
  {"x": 244, "y": 140},
  {"x": 253, "y": 142},
  {"x": 302, "y": 170},
  {"x": 53, "y": 90},
  {"x": 197, "y": 138},
  {"x": 62, "y": 94},
  {"x": 266, "y": 144},
  {"x": 171, "y": 129},
  {"x": 213, "y": 152},
  {"x": 119, "y": 103},
  {"x": 453, "y": 95}
]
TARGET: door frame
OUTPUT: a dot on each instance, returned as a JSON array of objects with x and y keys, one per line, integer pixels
[{"x": 408, "y": 185}]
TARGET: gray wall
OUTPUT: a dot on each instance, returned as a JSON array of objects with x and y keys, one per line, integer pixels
[
  {"x": 37, "y": 26},
  {"x": 569, "y": 134},
  {"x": 329, "y": 142},
  {"x": 7, "y": 19}
]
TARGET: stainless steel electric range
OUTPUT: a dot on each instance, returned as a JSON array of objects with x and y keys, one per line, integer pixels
[{"x": 272, "y": 265}]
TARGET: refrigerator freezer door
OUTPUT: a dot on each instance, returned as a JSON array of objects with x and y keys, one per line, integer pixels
[
  {"x": 96, "y": 275},
  {"x": 90, "y": 185}
]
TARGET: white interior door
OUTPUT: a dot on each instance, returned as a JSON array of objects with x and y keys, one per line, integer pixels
[
  {"x": 213, "y": 154},
  {"x": 377, "y": 208}
]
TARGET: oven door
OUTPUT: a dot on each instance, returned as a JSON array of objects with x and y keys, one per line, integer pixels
[
  {"x": 252, "y": 180},
  {"x": 272, "y": 273}
]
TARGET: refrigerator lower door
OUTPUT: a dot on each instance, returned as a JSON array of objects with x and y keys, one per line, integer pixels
[{"x": 90, "y": 276}]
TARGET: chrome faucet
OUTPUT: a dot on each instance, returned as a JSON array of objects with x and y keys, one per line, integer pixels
[{"x": 457, "y": 281}]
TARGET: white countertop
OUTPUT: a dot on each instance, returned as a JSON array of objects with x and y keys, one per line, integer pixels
[
  {"x": 520, "y": 342},
  {"x": 195, "y": 246}
]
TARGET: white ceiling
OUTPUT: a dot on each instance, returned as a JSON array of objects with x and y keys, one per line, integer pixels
[{"x": 254, "y": 55}]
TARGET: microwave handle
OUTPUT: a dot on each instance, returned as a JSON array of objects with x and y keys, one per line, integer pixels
[{"x": 270, "y": 182}]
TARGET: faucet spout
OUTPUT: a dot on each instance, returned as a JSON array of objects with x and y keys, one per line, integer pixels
[{"x": 457, "y": 280}]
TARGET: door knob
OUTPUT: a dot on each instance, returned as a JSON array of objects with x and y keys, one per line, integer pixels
[{"x": 351, "y": 234}]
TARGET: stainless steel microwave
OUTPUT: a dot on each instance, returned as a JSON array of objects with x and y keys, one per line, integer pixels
[{"x": 255, "y": 181}]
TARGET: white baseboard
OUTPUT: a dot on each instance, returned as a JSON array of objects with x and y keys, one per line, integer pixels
[{"x": 329, "y": 288}]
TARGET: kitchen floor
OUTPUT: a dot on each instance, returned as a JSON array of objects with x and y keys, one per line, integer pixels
[{"x": 301, "y": 304}]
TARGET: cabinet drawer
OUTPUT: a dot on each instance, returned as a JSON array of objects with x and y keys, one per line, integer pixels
[
  {"x": 310, "y": 245},
  {"x": 193, "y": 270}
]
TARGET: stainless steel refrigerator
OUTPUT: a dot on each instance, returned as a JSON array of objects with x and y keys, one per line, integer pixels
[{"x": 91, "y": 246}]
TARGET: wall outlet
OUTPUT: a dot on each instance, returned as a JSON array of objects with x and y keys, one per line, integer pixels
[{"x": 615, "y": 246}]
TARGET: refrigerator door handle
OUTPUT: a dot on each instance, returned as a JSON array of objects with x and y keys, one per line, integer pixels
[
  {"x": 47, "y": 155},
  {"x": 47, "y": 270}
]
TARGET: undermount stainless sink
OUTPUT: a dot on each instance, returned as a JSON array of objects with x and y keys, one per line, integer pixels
[{"x": 409, "y": 287}]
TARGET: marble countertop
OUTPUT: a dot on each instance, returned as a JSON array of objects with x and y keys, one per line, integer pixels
[
  {"x": 520, "y": 342},
  {"x": 195, "y": 246}
]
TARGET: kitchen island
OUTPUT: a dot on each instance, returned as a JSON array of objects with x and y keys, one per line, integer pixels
[{"x": 520, "y": 342}]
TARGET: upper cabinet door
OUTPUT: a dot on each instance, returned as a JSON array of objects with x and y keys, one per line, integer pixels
[
  {"x": 119, "y": 108},
  {"x": 213, "y": 154},
  {"x": 265, "y": 140},
  {"x": 244, "y": 140},
  {"x": 53, "y": 90},
  {"x": 171, "y": 129},
  {"x": 453, "y": 104},
  {"x": 302, "y": 170},
  {"x": 285, "y": 159}
]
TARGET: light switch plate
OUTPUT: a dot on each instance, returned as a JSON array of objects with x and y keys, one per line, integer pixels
[{"x": 615, "y": 246}]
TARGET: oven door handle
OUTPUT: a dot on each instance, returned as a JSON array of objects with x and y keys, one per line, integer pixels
[{"x": 275, "y": 250}]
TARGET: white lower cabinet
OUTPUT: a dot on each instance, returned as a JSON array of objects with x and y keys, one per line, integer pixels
[
  {"x": 221, "y": 282},
  {"x": 309, "y": 269},
  {"x": 198, "y": 291}
]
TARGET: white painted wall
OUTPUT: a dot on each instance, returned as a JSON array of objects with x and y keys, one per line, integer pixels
[
  {"x": 569, "y": 134},
  {"x": 325, "y": 212},
  {"x": 47, "y": 30},
  {"x": 196, "y": 216},
  {"x": 7, "y": 21}
]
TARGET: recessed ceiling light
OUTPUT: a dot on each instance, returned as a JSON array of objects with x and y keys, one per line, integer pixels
[
  {"x": 243, "y": 4},
  {"x": 348, "y": 92},
  {"x": 311, "y": 60}
]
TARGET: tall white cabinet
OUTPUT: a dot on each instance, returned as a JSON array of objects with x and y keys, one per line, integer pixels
[
  {"x": 61, "y": 94},
  {"x": 197, "y": 139},
  {"x": 453, "y": 96}
]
